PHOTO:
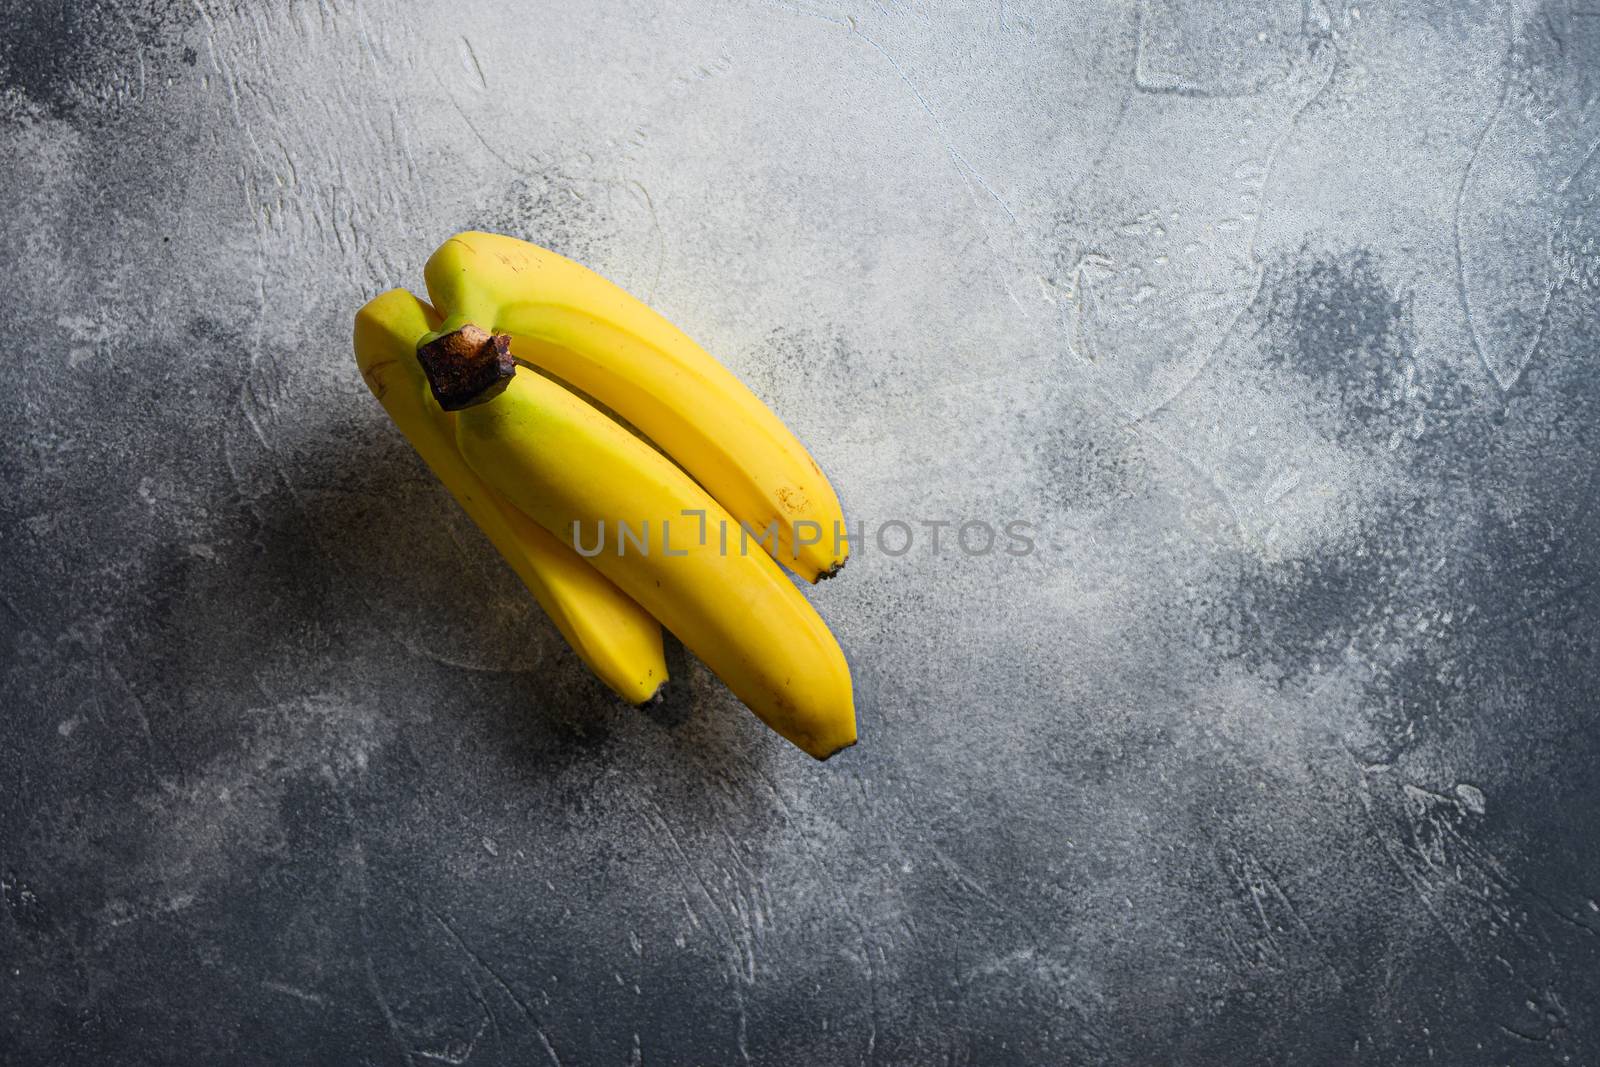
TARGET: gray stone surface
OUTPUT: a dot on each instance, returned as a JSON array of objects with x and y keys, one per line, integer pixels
[{"x": 1278, "y": 319}]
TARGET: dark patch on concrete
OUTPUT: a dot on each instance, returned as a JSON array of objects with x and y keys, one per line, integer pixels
[
  {"x": 1333, "y": 322},
  {"x": 1554, "y": 60},
  {"x": 812, "y": 360},
  {"x": 1450, "y": 593},
  {"x": 1291, "y": 619},
  {"x": 64, "y": 56},
  {"x": 1516, "y": 596},
  {"x": 1335, "y": 331},
  {"x": 820, "y": 363},
  {"x": 552, "y": 210},
  {"x": 1087, "y": 459}
]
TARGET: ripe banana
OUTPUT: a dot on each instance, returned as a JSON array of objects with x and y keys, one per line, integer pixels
[
  {"x": 619, "y": 641},
  {"x": 587, "y": 332},
  {"x": 572, "y": 468}
]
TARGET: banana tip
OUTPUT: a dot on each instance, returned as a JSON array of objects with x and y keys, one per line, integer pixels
[
  {"x": 830, "y": 571},
  {"x": 825, "y": 757}
]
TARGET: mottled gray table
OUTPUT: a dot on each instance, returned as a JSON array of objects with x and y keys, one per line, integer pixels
[{"x": 1279, "y": 322}]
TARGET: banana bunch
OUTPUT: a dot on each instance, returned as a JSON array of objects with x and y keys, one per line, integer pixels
[{"x": 629, "y": 479}]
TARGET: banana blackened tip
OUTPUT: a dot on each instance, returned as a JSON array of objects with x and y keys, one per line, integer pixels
[
  {"x": 831, "y": 571},
  {"x": 848, "y": 744},
  {"x": 467, "y": 366}
]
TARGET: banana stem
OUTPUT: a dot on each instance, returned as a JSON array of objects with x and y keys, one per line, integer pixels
[{"x": 467, "y": 366}]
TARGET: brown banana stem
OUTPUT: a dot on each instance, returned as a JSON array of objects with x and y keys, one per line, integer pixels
[{"x": 467, "y": 366}]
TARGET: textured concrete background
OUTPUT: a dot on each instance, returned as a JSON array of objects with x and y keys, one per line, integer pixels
[{"x": 1280, "y": 319}]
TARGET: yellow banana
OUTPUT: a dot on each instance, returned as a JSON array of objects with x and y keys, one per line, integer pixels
[
  {"x": 619, "y": 641},
  {"x": 580, "y": 474},
  {"x": 589, "y": 333}
]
